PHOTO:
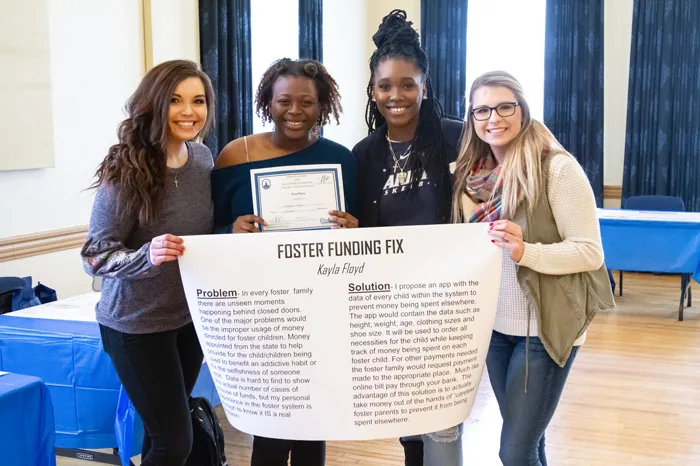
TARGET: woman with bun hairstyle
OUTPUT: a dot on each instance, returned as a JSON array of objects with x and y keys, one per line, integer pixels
[{"x": 404, "y": 169}]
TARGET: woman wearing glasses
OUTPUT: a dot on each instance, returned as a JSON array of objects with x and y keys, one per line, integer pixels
[
  {"x": 403, "y": 169},
  {"x": 514, "y": 174}
]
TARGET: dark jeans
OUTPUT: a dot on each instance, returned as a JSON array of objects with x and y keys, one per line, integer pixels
[
  {"x": 525, "y": 415},
  {"x": 158, "y": 372},
  {"x": 413, "y": 450},
  {"x": 274, "y": 452}
]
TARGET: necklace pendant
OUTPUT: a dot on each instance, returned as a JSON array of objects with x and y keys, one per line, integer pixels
[
  {"x": 402, "y": 177},
  {"x": 176, "y": 182}
]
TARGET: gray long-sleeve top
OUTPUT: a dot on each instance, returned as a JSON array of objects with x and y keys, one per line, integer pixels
[{"x": 137, "y": 296}]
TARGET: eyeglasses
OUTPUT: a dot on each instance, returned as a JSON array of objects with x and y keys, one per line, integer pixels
[{"x": 504, "y": 109}]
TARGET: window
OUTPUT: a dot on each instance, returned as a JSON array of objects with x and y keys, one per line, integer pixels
[
  {"x": 508, "y": 35},
  {"x": 274, "y": 34}
]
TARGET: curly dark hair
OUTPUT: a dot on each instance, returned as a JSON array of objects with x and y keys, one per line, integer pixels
[
  {"x": 137, "y": 163},
  {"x": 327, "y": 87},
  {"x": 396, "y": 39}
]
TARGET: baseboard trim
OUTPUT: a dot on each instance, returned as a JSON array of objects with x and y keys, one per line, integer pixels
[
  {"x": 35, "y": 244},
  {"x": 612, "y": 192}
]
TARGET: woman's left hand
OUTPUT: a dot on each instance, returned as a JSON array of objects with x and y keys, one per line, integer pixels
[
  {"x": 342, "y": 219},
  {"x": 508, "y": 236}
]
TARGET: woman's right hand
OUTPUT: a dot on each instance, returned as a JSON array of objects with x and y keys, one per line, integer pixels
[
  {"x": 246, "y": 224},
  {"x": 165, "y": 248}
]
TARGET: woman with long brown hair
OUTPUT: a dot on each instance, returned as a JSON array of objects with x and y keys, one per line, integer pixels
[{"x": 153, "y": 185}]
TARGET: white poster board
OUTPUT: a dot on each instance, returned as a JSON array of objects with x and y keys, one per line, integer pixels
[{"x": 345, "y": 334}]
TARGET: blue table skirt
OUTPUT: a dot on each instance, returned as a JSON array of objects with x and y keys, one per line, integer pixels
[
  {"x": 651, "y": 246},
  {"x": 26, "y": 422},
  {"x": 84, "y": 387}
]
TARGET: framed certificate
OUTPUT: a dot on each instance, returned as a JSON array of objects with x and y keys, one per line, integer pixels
[{"x": 297, "y": 197}]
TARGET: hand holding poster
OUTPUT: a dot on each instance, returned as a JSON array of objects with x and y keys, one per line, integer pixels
[{"x": 345, "y": 334}]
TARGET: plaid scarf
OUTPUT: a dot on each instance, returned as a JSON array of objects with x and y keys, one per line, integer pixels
[{"x": 483, "y": 185}]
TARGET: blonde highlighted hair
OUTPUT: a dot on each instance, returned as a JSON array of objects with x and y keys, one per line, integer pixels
[{"x": 521, "y": 173}]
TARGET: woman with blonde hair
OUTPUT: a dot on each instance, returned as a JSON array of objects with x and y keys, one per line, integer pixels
[{"x": 514, "y": 174}]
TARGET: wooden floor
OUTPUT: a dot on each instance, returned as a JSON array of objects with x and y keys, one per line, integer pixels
[{"x": 633, "y": 396}]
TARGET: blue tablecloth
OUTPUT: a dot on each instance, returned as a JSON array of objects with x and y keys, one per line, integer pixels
[
  {"x": 651, "y": 246},
  {"x": 80, "y": 377},
  {"x": 26, "y": 422},
  {"x": 68, "y": 357}
]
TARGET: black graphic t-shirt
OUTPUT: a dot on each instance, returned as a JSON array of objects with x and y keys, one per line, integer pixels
[{"x": 406, "y": 201}]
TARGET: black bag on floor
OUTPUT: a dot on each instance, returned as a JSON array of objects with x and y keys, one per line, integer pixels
[
  {"x": 208, "y": 436},
  {"x": 17, "y": 293},
  {"x": 8, "y": 287}
]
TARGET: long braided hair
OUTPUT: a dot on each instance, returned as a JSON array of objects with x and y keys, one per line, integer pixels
[{"x": 396, "y": 39}]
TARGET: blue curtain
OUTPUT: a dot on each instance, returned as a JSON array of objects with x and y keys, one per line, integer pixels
[
  {"x": 224, "y": 38},
  {"x": 662, "y": 146},
  {"x": 573, "y": 82},
  {"x": 311, "y": 29},
  {"x": 444, "y": 39}
]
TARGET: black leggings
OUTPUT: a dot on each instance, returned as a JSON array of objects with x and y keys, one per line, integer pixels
[
  {"x": 158, "y": 372},
  {"x": 274, "y": 452}
]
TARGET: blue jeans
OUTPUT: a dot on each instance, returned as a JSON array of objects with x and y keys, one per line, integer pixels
[
  {"x": 525, "y": 415},
  {"x": 443, "y": 448}
]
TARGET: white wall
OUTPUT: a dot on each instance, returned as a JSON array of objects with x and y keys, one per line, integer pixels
[
  {"x": 96, "y": 63},
  {"x": 60, "y": 270},
  {"x": 618, "y": 35},
  {"x": 345, "y": 56},
  {"x": 174, "y": 30}
]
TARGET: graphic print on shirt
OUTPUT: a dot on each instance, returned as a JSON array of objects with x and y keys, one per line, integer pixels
[
  {"x": 400, "y": 179},
  {"x": 393, "y": 183},
  {"x": 407, "y": 199}
]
